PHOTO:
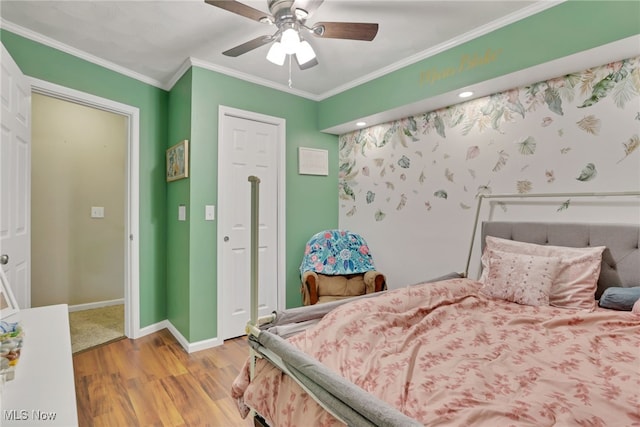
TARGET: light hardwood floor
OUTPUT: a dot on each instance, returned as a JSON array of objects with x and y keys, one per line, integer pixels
[{"x": 152, "y": 381}]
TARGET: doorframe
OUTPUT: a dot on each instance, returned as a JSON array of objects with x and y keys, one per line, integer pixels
[
  {"x": 280, "y": 123},
  {"x": 132, "y": 234}
]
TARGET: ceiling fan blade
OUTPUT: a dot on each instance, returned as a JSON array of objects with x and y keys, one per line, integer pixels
[
  {"x": 308, "y": 6},
  {"x": 240, "y": 9},
  {"x": 307, "y": 64},
  {"x": 345, "y": 30},
  {"x": 250, "y": 45}
]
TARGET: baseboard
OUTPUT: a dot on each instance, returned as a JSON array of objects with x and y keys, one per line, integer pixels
[
  {"x": 151, "y": 329},
  {"x": 92, "y": 305},
  {"x": 164, "y": 324},
  {"x": 188, "y": 347},
  {"x": 194, "y": 346}
]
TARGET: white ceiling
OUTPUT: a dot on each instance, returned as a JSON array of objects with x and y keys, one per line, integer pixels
[{"x": 156, "y": 41}]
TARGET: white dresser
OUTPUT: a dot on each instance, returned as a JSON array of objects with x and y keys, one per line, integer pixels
[{"x": 43, "y": 391}]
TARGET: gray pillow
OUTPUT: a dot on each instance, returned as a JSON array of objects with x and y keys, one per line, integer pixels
[
  {"x": 620, "y": 298},
  {"x": 608, "y": 273}
]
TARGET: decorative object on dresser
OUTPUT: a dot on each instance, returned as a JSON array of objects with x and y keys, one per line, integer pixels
[
  {"x": 8, "y": 304},
  {"x": 11, "y": 332}
]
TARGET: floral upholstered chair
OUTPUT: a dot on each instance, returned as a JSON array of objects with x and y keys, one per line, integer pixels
[{"x": 337, "y": 264}]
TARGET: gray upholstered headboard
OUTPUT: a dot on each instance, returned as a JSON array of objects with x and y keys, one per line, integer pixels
[{"x": 620, "y": 261}]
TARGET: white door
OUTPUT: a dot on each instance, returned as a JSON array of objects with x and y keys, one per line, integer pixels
[
  {"x": 246, "y": 147},
  {"x": 15, "y": 161}
]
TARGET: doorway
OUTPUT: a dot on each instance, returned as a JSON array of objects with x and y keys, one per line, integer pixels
[
  {"x": 78, "y": 183},
  {"x": 114, "y": 249}
]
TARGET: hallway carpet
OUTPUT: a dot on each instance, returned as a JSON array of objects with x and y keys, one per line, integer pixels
[{"x": 90, "y": 328}]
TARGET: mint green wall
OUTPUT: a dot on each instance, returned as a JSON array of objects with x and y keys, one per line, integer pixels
[
  {"x": 178, "y": 193},
  {"x": 562, "y": 30},
  {"x": 312, "y": 202},
  {"x": 184, "y": 290},
  {"x": 49, "y": 64}
]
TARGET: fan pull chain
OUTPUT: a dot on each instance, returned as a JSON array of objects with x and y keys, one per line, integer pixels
[{"x": 290, "y": 84}]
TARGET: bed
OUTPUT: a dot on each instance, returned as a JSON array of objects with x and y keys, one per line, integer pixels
[{"x": 459, "y": 351}]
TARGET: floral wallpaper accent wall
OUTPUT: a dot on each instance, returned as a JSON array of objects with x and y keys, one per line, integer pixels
[{"x": 575, "y": 133}]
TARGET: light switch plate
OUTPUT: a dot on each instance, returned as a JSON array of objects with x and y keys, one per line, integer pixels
[
  {"x": 97, "y": 211},
  {"x": 209, "y": 213},
  {"x": 182, "y": 213}
]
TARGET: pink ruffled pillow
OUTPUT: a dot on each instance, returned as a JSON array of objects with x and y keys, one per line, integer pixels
[
  {"x": 636, "y": 307},
  {"x": 519, "y": 278},
  {"x": 577, "y": 278}
]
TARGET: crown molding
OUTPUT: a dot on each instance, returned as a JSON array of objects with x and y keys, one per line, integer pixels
[
  {"x": 611, "y": 52},
  {"x": 184, "y": 67},
  {"x": 247, "y": 77},
  {"x": 191, "y": 61},
  {"x": 457, "y": 41},
  {"x": 47, "y": 41}
]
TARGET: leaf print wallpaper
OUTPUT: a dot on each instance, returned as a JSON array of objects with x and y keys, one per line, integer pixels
[{"x": 410, "y": 186}]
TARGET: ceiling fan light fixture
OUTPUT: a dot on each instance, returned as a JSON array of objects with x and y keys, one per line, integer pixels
[
  {"x": 304, "y": 52},
  {"x": 301, "y": 14},
  {"x": 290, "y": 40},
  {"x": 276, "y": 54},
  {"x": 289, "y": 20}
]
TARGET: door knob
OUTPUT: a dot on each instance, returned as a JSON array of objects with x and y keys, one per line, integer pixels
[
  {"x": 226, "y": 238},
  {"x": 4, "y": 259}
]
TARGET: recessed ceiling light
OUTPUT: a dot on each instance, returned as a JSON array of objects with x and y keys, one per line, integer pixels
[
  {"x": 465, "y": 94},
  {"x": 360, "y": 124}
]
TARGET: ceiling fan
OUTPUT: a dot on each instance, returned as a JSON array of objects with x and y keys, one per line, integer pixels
[{"x": 290, "y": 17}]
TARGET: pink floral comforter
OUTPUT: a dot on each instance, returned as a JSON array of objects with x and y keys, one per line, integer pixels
[{"x": 446, "y": 355}]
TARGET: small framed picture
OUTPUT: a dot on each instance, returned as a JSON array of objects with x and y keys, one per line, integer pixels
[
  {"x": 8, "y": 304},
  {"x": 312, "y": 161},
  {"x": 178, "y": 161}
]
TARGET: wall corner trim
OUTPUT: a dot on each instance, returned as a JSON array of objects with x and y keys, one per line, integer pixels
[
  {"x": 186, "y": 345},
  {"x": 195, "y": 346}
]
